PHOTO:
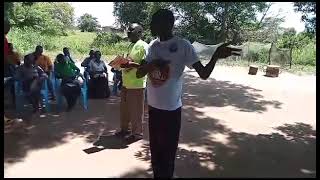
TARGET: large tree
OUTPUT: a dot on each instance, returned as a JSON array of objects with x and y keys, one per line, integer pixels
[
  {"x": 49, "y": 18},
  {"x": 268, "y": 31},
  {"x": 87, "y": 22},
  {"x": 215, "y": 22},
  {"x": 308, "y": 10},
  {"x": 208, "y": 22}
]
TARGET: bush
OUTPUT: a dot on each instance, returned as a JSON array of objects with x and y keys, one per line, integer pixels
[
  {"x": 304, "y": 48},
  {"x": 105, "y": 38},
  {"x": 305, "y": 55},
  {"x": 256, "y": 52},
  {"x": 115, "y": 49},
  {"x": 26, "y": 39}
]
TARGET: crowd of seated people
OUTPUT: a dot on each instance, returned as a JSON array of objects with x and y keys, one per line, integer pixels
[{"x": 37, "y": 67}]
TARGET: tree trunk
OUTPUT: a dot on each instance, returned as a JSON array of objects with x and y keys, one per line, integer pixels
[{"x": 224, "y": 30}]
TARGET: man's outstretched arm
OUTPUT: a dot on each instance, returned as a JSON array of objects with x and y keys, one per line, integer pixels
[{"x": 222, "y": 52}]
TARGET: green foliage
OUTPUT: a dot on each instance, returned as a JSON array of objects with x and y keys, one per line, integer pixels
[
  {"x": 147, "y": 37},
  {"x": 309, "y": 15},
  {"x": 88, "y": 23},
  {"x": 26, "y": 39},
  {"x": 48, "y": 18},
  {"x": 105, "y": 38},
  {"x": 120, "y": 48},
  {"x": 206, "y": 22},
  {"x": 257, "y": 52},
  {"x": 303, "y": 47},
  {"x": 110, "y": 44},
  {"x": 305, "y": 55},
  {"x": 269, "y": 31}
]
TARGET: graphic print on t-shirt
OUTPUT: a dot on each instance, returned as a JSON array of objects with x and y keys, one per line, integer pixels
[{"x": 159, "y": 76}]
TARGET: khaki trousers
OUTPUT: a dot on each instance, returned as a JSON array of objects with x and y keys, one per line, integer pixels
[{"x": 132, "y": 110}]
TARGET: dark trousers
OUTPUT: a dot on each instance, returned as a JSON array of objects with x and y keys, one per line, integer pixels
[
  {"x": 164, "y": 129},
  {"x": 50, "y": 85},
  {"x": 99, "y": 87},
  {"x": 10, "y": 84},
  {"x": 117, "y": 84},
  {"x": 32, "y": 89},
  {"x": 70, "y": 93}
]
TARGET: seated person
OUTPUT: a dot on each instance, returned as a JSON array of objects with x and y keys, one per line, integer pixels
[
  {"x": 32, "y": 78},
  {"x": 117, "y": 81},
  {"x": 67, "y": 55},
  {"x": 86, "y": 62},
  {"x": 70, "y": 86},
  {"x": 13, "y": 59},
  {"x": 45, "y": 63},
  {"x": 13, "y": 56},
  {"x": 98, "y": 84}
]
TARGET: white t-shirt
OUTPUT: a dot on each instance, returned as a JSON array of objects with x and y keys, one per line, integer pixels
[
  {"x": 96, "y": 66},
  {"x": 164, "y": 87}
]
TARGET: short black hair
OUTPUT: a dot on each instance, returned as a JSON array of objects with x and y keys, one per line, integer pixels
[
  {"x": 164, "y": 15},
  {"x": 59, "y": 57},
  {"x": 96, "y": 52},
  {"x": 39, "y": 47}
]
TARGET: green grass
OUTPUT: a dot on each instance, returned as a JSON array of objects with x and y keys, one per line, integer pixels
[{"x": 25, "y": 41}]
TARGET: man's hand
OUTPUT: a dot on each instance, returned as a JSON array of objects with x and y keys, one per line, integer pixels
[{"x": 223, "y": 51}]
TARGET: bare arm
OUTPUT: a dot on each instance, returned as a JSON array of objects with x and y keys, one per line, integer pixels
[
  {"x": 144, "y": 69},
  {"x": 222, "y": 52},
  {"x": 205, "y": 71}
]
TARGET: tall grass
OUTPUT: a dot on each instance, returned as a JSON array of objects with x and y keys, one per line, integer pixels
[
  {"x": 25, "y": 40},
  {"x": 305, "y": 55},
  {"x": 80, "y": 43}
]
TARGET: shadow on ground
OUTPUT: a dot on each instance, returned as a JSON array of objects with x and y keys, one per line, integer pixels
[
  {"x": 244, "y": 155},
  {"x": 288, "y": 152},
  {"x": 53, "y": 129},
  {"x": 203, "y": 93}
]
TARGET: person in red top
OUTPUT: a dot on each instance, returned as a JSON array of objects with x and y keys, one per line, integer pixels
[
  {"x": 6, "y": 50},
  {"x": 6, "y": 46}
]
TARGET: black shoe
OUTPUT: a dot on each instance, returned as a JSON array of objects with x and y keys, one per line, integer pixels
[
  {"x": 122, "y": 133},
  {"x": 133, "y": 138},
  {"x": 52, "y": 98}
]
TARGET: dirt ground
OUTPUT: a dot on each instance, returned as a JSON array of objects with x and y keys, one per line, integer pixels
[{"x": 233, "y": 125}]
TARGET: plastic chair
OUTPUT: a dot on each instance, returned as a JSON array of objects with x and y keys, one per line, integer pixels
[
  {"x": 83, "y": 94},
  {"x": 20, "y": 96}
]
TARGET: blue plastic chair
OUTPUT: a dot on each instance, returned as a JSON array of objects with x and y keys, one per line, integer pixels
[
  {"x": 20, "y": 96},
  {"x": 83, "y": 94}
]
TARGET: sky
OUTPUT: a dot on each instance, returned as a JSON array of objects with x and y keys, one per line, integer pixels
[{"x": 103, "y": 11}]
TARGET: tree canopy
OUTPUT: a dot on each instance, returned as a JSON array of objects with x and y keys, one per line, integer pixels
[{"x": 88, "y": 23}]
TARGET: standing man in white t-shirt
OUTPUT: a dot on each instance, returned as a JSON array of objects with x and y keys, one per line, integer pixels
[{"x": 168, "y": 55}]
